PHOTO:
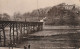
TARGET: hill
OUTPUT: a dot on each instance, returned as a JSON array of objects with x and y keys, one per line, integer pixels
[{"x": 62, "y": 14}]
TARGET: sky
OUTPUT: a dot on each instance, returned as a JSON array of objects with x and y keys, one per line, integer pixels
[{"x": 22, "y": 6}]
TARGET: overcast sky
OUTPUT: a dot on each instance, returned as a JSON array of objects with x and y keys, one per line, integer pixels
[{"x": 11, "y": 6}]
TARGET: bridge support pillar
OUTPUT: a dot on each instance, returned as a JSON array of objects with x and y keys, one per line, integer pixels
[
  {"x": 10, "y": 34},
  {"x": 17, "y": 30},
  {"x": 24, "y": 29},
  {"x": 0, "y": 38},
  {"x": 4, "y": 37},
  {"x": 17, "y": 39},
  {"x": 20, "y": 33},
  {"x": 13, "y": 35}
]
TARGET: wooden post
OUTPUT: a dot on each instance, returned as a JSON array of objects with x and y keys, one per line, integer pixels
[
  {"x": 13, "y": 35},
  {"x": 24, "y": 29},
  {"x": 33, "y": 28},
  {"x": 41, "y": 27},
  {"x": 38, "y": 27},
  {"x": 17, "y": 32},
  {"x": 0, "y": 37},
  {"x": 28, "y": 29},
  {"x": 20, "y": 33},
  {"x": 10, "y": 35},
  {"x": 4, "y": 35}
]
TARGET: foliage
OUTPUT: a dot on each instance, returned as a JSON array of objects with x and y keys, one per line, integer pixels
[{"x": 4, "y": 17}]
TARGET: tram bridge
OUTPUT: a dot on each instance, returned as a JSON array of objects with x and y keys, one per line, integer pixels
[{"x": 12, "y": 32}]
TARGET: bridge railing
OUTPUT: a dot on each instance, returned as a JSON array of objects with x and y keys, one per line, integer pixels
[{"x": 12, "y": 32}]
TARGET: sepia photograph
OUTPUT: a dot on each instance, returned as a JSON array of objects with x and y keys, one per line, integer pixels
[{"x": 39, "y": 24}]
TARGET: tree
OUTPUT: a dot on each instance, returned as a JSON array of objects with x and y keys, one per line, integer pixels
[
  {"x": 0, "y": 17},
  {"x": 26, "y": 15},
  {"x": 64, "y": 16},
  {"x": 17, "y": 17},
  {"x": 72, "y": 20},
  {"x": 6, "y": 17}
]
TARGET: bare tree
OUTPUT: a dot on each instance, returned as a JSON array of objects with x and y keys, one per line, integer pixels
[
  {"x": 6, "y": 17},
  {"x": 17, "y": 17},
  {"x": 26, "y": 15}
]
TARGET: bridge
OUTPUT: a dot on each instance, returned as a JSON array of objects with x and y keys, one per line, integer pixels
[{"x": 12, "y": 32}]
